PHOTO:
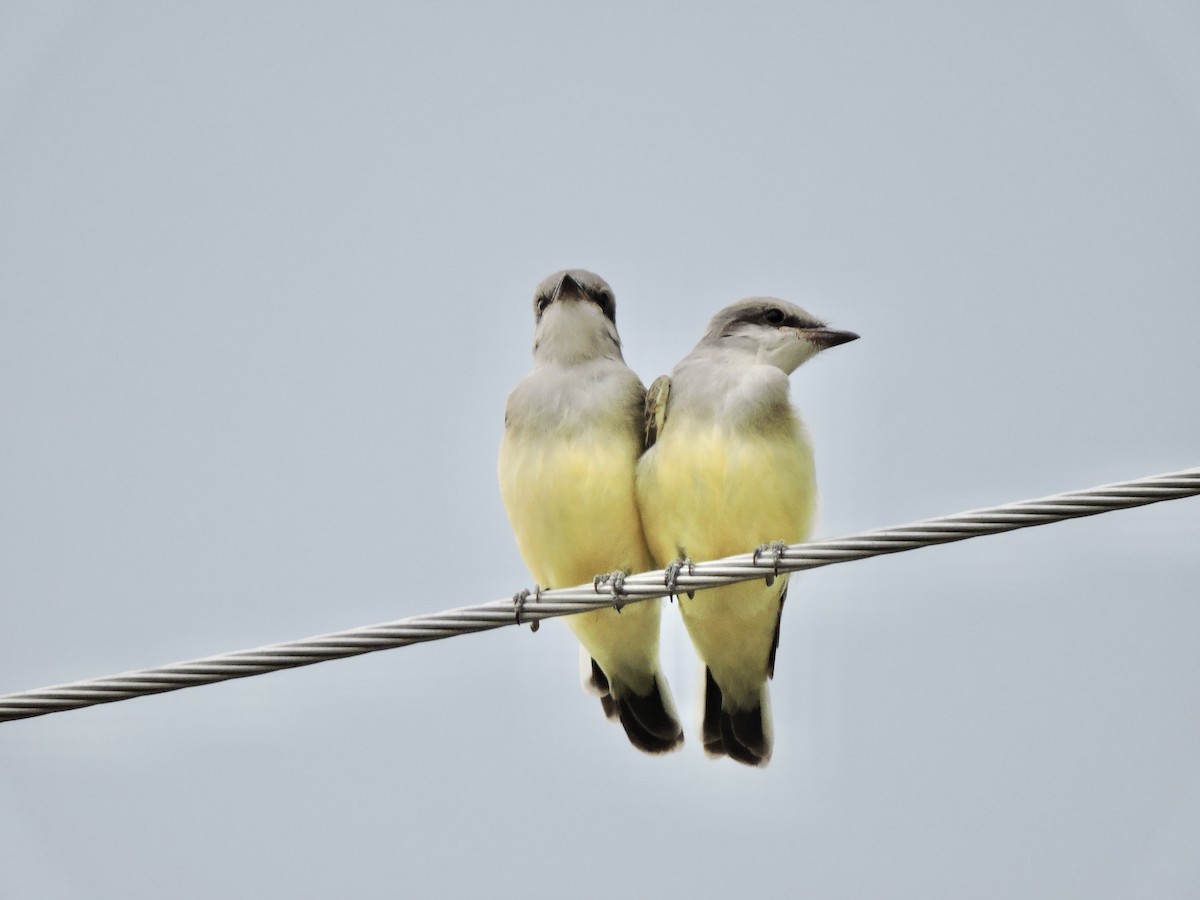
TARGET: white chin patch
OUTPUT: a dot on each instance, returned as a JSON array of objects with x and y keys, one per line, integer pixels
[{"x": 791, "y": 353}]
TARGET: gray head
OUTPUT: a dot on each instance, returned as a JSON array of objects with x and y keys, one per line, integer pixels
[
  {"x": 772, "y": 331},
  {"x": 576, "y": 317}
]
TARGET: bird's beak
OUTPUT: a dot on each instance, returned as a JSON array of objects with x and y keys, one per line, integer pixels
[
  {"x": 569, "y": 287},
  {"x": 827, "y": 337}
]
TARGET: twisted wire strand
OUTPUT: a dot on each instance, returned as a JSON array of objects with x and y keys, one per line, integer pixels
[{"x": 643, "y": 586}]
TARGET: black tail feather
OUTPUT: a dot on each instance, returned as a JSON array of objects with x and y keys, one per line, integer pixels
[
  {"x": 741, "y": 735},
  {"x": 597, "y": 683},
  {"x": 742, "y": 732},
  {"x": 609, "y": 705},
  {"x": 710, "y": 730},
  {"x": 649, "y": 722},
  {"x": 649, "y": 719}
]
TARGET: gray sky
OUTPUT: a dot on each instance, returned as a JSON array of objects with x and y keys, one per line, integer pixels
[{"x": 265, "y": 274}]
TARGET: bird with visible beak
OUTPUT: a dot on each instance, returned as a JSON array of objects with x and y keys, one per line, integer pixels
[
  {"x": 729, "y": 466},
  {"x": 573, "y": 432}
]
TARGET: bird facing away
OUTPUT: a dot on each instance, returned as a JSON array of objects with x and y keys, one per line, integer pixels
[
  {"x": 729, "y": 466},
  {"x": 573, "y": 431}
]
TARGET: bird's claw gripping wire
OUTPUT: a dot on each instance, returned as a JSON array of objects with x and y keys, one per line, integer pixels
[
  {"x": 616, "y": 586},
  {"x": 519, "y": 599},
  {"x": 671, "y": 576},
  {"x": 776, "y": 548}
]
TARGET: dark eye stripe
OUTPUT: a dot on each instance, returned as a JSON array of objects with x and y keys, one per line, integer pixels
[
  {"x": 602, "y": 299},
  {"x": 606, "y": 303},
  {"x": 774, "y": 317}
]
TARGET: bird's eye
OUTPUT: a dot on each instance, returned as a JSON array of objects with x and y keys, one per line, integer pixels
[
  {"x": 542, "y": 303},
  {"x": 774, "y": 316}
]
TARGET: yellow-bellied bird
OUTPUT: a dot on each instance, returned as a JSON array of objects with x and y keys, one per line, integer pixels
[
  {"x": 730, "y": 466},
  {"x": 573, "y": 432}
]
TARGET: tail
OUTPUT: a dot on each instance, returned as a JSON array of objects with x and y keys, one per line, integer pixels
[
  {"x": 649, "y": 719},
  {"x": 743, "y": 734}
]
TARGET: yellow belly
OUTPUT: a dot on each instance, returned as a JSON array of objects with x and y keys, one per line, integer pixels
[
  {"x": 705, "y": 493},
  {"x": 572, "y": 508}
]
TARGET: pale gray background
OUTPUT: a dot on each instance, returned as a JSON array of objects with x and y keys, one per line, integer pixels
[{"x": 265, "y": 274}]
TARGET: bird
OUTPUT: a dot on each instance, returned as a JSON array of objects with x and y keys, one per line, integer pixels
[
  {"x": 729, "y": 465},
  {"x": 573, "y": 433}
]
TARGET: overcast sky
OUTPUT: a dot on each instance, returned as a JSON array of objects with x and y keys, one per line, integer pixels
[{"x": 265, "y": 280}]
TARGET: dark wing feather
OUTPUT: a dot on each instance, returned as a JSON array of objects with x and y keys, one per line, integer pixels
[{"x": 775, "y": 642}]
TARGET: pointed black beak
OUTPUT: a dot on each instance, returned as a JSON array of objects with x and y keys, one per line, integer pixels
[
  {"x": 569, "y": 287},
  {"x": 827, "y": 337}
]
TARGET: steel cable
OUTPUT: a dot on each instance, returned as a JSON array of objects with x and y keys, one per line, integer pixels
[{"x": 644, "y": 586}]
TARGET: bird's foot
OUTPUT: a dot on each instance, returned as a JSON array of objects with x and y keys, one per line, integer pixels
[
  {"x": 519, "y": 599},
  {"x": 776, "y": 549},
  {"x": 615, "y": 581},
  {"x": 671, "y": 576}
]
